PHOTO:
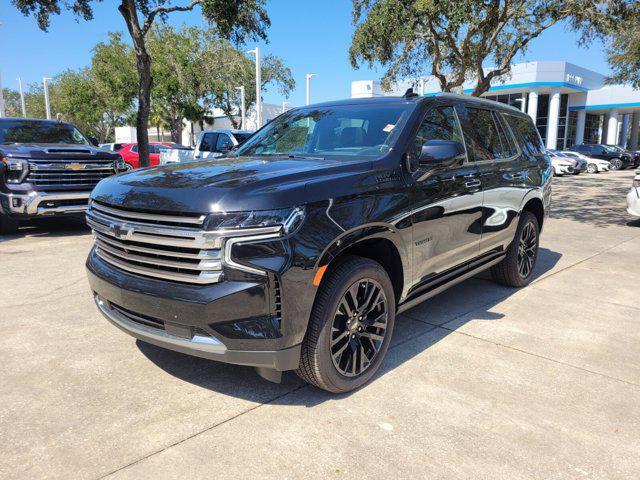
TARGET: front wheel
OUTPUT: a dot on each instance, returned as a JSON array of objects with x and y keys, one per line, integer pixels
[
  {"x": 516, "y": 269},
  {"x": 592, "y": 168},
  {"x": 350, "y": 326},
  {"x": 616, "y": 164}
]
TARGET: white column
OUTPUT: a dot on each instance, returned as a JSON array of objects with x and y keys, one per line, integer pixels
[
  {"x": 523, "y": 103},
  {"x": 554, "y": 118},
  {"x": 634, "y": 131},
  {"x": 612, "y": 127},
  {"x": 533, "y": 105},
  {"x": 580, "y": 123},
  {"x": 625, "y": 129}
]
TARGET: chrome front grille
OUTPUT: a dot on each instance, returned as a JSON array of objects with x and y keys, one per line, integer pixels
[
  {"x": 77, "y": 174},
  {"x": 169, "y": 247},
  {"x": 162, "y": 246}
]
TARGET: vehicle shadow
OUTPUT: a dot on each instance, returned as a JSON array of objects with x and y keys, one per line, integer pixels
[
  {"x": 415, "y": 331},
  {"x": 50, "y": 228}
]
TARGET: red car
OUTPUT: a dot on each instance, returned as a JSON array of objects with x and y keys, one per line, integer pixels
[{"x": 129, "y": 153}]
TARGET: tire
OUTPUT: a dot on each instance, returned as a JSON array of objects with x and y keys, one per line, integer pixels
[
  {"x": 616, "y": 164},
  {"x": 592, "y": 168},
  {"x": 326, "y": 351},
  {"x": 508, "y": 272},
  {"x": 8, "y": 226}
]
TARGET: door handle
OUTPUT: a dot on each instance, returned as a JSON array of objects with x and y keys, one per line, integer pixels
[{"x": 475, "y": 183}]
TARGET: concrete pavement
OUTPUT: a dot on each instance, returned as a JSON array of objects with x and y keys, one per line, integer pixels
[{"x": 481, "y": 381}]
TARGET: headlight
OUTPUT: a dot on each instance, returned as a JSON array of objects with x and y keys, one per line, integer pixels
[
  {"x": 17, "y": 169},
  {"x": 287, "y": 218},
  {"x": 119, "y": 165}
]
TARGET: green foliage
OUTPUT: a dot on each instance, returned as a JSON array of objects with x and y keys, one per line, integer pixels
[
  {"x": 623, "y": 50},
  {"x": 454, "y": 39}
]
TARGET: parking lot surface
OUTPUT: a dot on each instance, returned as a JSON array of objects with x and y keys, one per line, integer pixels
[{"x": 481, "y": 381}]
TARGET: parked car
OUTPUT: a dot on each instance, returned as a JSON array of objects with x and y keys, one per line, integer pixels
[
  {"x": 112, "y": 147},
  {"x": 594, "y": 165},
  {"x": 47, "y": 168},
  {"x": 635, "y": 156},
  {"x": 209, "y": 144},
  {"x": 129, "y": 153},
  {"x": 562, "y": 165},
  {"x": 633, "y": 197},
  {"x": 618, "y": 160},
  {"x": 579, "y": 165},
  {"x": 298, "y": 252}
]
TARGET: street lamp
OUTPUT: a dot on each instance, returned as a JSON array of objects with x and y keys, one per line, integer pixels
[
  {"x": 256, "y": 52},
  {"x": 22, "y": 104},
  {"x": 242, "y": 111},
  {"x": 47, "y": 106},
  {"x": 1, "y": 94},
  {"x": 309, "y": 77}
]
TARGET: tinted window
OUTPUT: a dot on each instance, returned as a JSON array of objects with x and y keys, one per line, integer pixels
[
  {"x": 355, "y": 130},
  {"x": 208, "y": 142},
  {"x": 222, "y": 139},
  {"x": 134, "y": 148},
  {"x": 242, "y": 137},
  {"x": 33, "y": 131},
  {"x": 526, "y": 133},
  {"x": 483, "y": 137},
  {"x": 508, "y": 143},
  {"x": 439, "y": 124}
]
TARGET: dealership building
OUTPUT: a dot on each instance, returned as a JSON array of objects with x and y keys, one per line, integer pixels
[{"x": 569, "y": 104}]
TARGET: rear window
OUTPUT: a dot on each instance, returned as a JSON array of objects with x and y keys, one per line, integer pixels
[{"x": 526, "y": 133}]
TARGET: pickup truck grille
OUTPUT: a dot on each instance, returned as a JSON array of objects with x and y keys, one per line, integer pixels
[
  {"x": 68, "y": 174},
  {"x": 169, "y": 247}
]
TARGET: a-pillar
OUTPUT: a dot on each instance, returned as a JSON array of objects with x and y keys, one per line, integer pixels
[
  {"x": 533, "y": 105},
  {"x": 612, "y": 128},
  {"x": 580, "y": 123},
  {"x": 633, "y": 144},
  {"x": 554, "y": 118}
]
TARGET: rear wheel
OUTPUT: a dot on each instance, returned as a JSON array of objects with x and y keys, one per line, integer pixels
[
  {"x": 350, "y": 327},
  {"x": 516, "y": 269},
  {"x": 8, "y": 225}
]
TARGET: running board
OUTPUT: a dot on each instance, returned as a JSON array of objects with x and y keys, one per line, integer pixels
[{"x": 441, "y": 288}]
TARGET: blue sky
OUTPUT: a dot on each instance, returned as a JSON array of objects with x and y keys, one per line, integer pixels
[{"x": 310, "y": 35}]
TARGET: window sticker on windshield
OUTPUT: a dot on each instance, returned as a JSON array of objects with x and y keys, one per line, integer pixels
[{"x": 388, "y": 128}]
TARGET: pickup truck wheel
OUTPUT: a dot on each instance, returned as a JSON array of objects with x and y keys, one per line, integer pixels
[
  {"x": 8, "y": 225},
  {"x": 516, "y": 269},
  {"x": 350, "y": 327}
]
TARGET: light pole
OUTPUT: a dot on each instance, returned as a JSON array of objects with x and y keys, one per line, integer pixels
[
  {"x": 256, "y": 52},
  {"x": 284, "y": 106},
  {"x": 309, "y": 77},
  {"x": 243, "y": 125},
  {"x": 22, "y": 104},
  {"x": 47, "y": 106},
  {"x": 1, "y": 95}
]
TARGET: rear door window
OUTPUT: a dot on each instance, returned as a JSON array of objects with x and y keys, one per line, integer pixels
[
  {"x": 506, "y": 137},
  {"x": 483, "y": 136},
  {"x": 526, "y": 133}
]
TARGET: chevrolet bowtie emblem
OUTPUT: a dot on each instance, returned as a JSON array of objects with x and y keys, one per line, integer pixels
[
  {"x": 120, "y": 231},
  {"x": 76, "y": 166}
]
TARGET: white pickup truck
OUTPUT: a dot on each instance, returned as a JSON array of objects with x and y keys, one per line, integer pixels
[{"x": 210, "y": 144}]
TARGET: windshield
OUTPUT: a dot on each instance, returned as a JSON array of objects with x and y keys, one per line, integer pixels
[
  {"x": 34, "y": 131},
  {"x": 242, "y": 137},
  {"x": 333, "y": 131}
]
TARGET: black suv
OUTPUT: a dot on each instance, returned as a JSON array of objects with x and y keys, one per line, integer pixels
[
  {"x": 298, "y": 250},
  {"x": 619, "y": 158},
  {"x": 47, "y": 168}
]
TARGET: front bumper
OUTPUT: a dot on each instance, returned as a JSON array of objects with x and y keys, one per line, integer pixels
[
  {"x": 39, "y": 204},
  {"x": 633, "y": 202},
  {"x": 186, "y": 318},
  {"x": 564, "y": 170}
]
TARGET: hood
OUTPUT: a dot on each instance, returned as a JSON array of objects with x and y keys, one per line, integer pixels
[
  {"x": 231, "y": 184},
  {"x": 56, "y": 151}
]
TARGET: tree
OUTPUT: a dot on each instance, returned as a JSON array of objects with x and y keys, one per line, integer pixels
[
  {"x": 236, "y": 20},
  {"x": 230, "y": 68},
  {"x": 12, "y": 107},
  {"x": 623, "y": 50},
  {"x": 453, "y": 39}
]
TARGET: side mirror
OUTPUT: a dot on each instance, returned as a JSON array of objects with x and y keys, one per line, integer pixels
[
  {"x": 226, "y": 147},
  {"x": 94, "y": 141},
  {"x": 440, "y": 153}
]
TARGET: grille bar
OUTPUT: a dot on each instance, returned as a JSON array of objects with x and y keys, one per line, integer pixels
[
  {"x": 69, "y": 173},
  {"x": 127, "y": 214}
]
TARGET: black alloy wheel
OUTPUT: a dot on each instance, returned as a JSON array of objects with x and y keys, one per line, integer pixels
[
  {"x": 527, "y": 250},
  {"x": 616, "y": 164},
  {"x": 359, "y": 327}
]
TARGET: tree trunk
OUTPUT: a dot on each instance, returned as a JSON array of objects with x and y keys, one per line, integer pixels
[
  {"x": 144, "y": 106},
  {"x": 175, "y": 127}
]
